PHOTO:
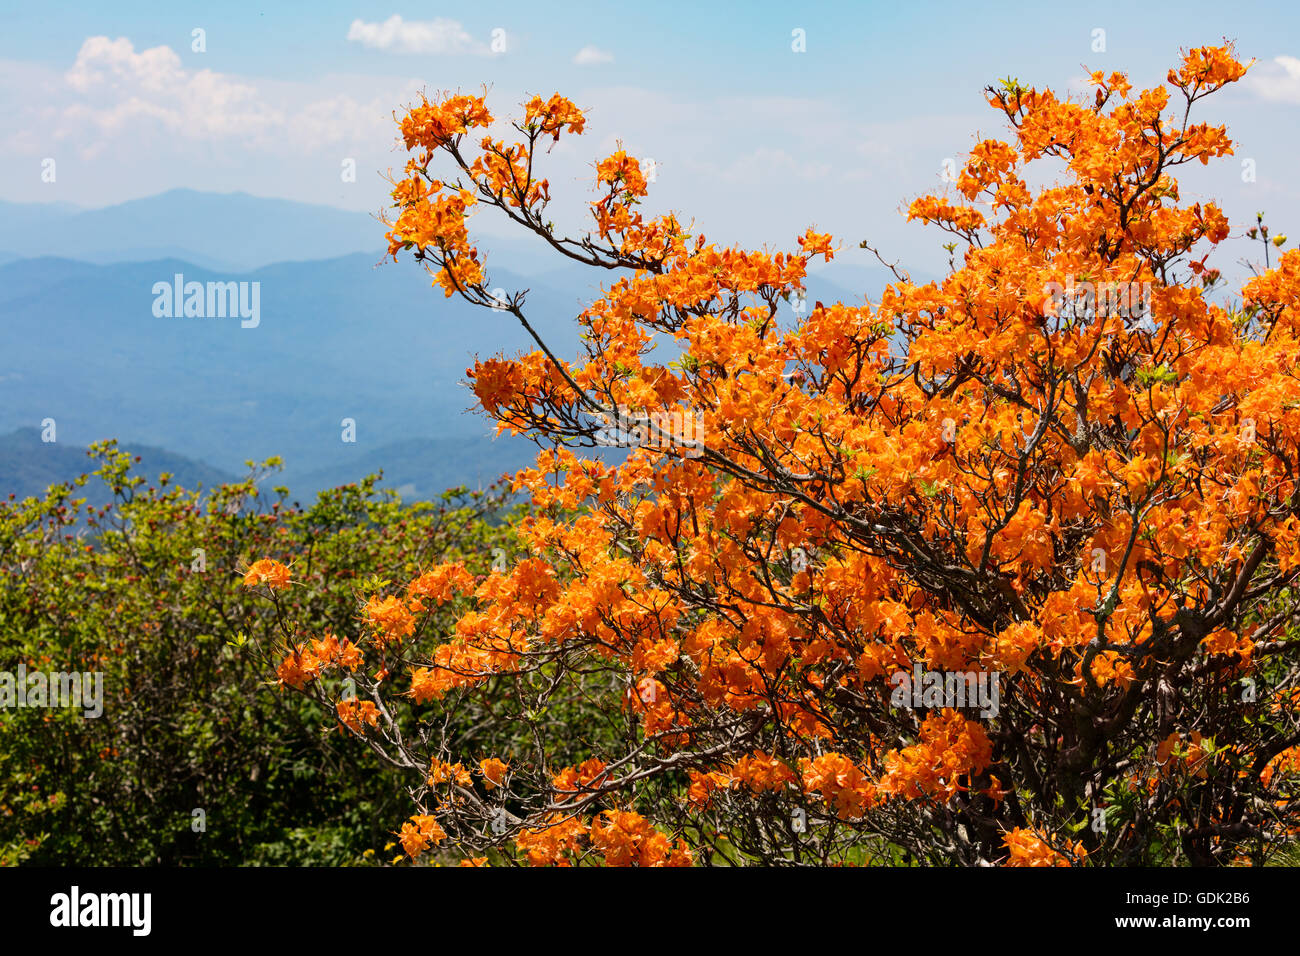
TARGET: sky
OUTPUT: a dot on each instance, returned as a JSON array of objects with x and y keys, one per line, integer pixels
[{"x": 753, "y": 138}]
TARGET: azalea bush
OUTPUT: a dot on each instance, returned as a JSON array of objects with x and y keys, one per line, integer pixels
[
  {"x": 1064, "y": 475},
  {"x": 195, "y": 757}
]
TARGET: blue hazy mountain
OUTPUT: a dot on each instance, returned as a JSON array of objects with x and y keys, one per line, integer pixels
[
  {"x": 337, "y": 339},
  {"x": 239, "y": 232},
  {"x": 221, "y": 231},
  {"x": 28, "y": 466},
  {"x": 416, "y": 468}
]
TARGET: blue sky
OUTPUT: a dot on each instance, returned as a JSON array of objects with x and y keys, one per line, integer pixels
[{"x": 752, "y": 140}]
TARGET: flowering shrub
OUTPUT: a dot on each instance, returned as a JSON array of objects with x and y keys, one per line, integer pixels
[
  {"x": 1093, "y": 497},
  {"x": 195, "y": 758}
]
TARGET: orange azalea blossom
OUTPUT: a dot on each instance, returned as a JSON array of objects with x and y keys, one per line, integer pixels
[
  {"x": 390, "y": 619},
  {"x": 554, "y": 115},
  {"x": 422, "y": 832},
  {"x": 628, "y": 839},
  {"x": 762, "y": 772},
  {"x": 1284, "y": 764},
  {"x": 1192, "y": 753},
  {"x": 1027, "y": 848},
  {"x": 573, "y": 781},
  {"x": 845, "y": 788},
  {"x": 493, "y": 771},
  {"x": 554, "y": 843},
  {"x": 300, "y": 667},
  {"x": 265, "y": 571},
  {"x": 703, "y": 786},
  {"x": 305, "y": 662},
  {"x": 431, "y": 125},
  {"x": 353, "y": 714},
  {"x": 815, "y": 244},
  {"x": 440, "y": 772},
  {"x": 439, "y": 585}
]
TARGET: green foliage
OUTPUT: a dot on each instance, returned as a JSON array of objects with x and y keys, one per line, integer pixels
[{"x": 147, "y": 589}]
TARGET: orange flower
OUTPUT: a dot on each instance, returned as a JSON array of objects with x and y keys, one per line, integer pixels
[
  {"x": 300, "y": 667},
  {"x": 355, "y": 713},
  {"x": 390, "y": 620},
  {"x": 628, "y": 839},
  {"x": 418, "y": 835},
  {"x": 493, "y": 771},
  {"x": 441, "y": 583},
  {"x": 840, "y": 783},
  {"x": 440, "y": 772},
  {"x": 552, "y": 843},
  {"x": 265, "y": 571},
  {"x": 817, "y": 244},
  {"x": 762, "y": 772},
  {"x": 553, "y": 115},
  {"x": 1028, "y": 848},
  {"x": 571, "y": 781},
  {"x": 431, "y": 126}
]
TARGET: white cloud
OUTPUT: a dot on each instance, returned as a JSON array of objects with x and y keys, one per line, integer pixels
[
  {"x": 395, "y": 35},
  {"x": 123, "y": 122},
  {"x": 1278, "y": 81},
  {"x": 104, "y": 62},
  {"x": 115, "y": 88},
  {"x": 590, "y": 56},
  {"x": 152, "y": 121}
]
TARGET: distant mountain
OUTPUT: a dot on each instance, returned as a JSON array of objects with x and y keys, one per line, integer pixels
[
  {"x": 17, "y": 219},
  {"x": 418, "y": 469},
  {"x": 218, "y": 231},
  {"x": 337, "y": 339},
  {"x": 28, "y": 466},
  {"x": 422, "y": 468},
  {"x": 223, "y": 231},
  {"x": 343, "y": 348},
  {"x": 238, "y": 232}
]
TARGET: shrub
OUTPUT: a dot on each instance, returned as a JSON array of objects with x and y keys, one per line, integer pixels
[
  {"x": 148, "y": 591},
  {"x": 1063, "y": 467}
]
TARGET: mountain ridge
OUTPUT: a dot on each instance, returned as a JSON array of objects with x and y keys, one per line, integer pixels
[{"x": 338, "y": 339}]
